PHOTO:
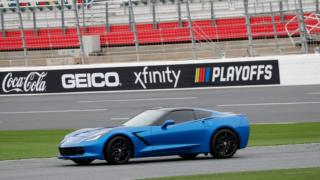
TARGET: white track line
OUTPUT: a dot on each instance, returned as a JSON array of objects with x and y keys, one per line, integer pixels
[
  {"x": 270, "y": 123},
  {"x": 149, "y": 90},
  {"x": 313, "y": 93},
  {"x": 56, "y": 111},
  {"x": 119, "y": 118},
  {"x": 267, "y": 104},
  {"x": 145, "y": 99}
]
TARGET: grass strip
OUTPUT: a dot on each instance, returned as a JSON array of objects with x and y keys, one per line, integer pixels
[
  {"x": 30, "y": 143},
  {"x": 44, "y": 143},
  {"x": 278, "y": 134},
  {"x": 292, "y": 174}
]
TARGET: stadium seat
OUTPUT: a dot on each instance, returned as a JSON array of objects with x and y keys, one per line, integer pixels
[
  {"x": 12, "y": 6},
  {"x": 24, "y": 6},
  {"x": 167, "y": 32},
  {"x": 144, "y": 2}
]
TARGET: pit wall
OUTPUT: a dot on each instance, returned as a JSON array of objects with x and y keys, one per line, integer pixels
[{"x": 237, "y": 72}]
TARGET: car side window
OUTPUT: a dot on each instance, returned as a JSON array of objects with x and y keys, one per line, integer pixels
[
  {"x": 202, "y": 114},
  {"x": 180, "y": 116}
]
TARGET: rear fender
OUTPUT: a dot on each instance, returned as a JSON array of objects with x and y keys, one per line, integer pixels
[{"x": 234, "y": 123}]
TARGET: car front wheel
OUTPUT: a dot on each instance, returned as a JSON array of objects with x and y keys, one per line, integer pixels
[
  {"x": 118, "y": 150},
  {"x": 224, "y": 144}
]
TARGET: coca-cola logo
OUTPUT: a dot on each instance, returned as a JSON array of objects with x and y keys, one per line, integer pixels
[{"x": 33, "y": 82}]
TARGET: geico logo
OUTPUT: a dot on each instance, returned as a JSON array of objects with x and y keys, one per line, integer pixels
[
  {"x": 153, "y": 77},
  {"x": 242, "y": 73},
  {"x": 88, "y": 80}
]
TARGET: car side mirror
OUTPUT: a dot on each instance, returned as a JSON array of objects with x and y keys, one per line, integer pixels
[{"x": 167, "y": 123}]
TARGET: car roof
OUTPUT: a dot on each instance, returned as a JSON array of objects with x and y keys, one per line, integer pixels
[
  {"x": 175, "y": 109},
  {"x": 214, "y": 113}
]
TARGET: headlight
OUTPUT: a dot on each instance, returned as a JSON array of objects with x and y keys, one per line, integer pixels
[
  {"x": 65, "y": 138},
  {"x": 97, "y": 135},
  {"x": 92, "y": 138}
]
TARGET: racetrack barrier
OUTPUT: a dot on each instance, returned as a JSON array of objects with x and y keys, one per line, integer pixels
[{"x": 258, "y": 71}]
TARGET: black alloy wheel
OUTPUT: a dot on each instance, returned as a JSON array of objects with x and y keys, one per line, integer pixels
[
  {"x": 118, "y": 150},
  {"x": 189, "y": 156},
  {"x": 224, "y": 144},
  {"x": 82, "y": 162}
]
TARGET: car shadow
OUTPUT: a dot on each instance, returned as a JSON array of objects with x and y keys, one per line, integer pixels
[{"x": 148, "y": 160}]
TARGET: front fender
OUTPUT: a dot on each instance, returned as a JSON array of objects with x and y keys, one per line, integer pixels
[{"x": 140, "y": 148}]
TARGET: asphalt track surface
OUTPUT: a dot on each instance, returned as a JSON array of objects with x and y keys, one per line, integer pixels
[
  {"x": 254, "y": 158},
  {"x": 260, "y": 104}
]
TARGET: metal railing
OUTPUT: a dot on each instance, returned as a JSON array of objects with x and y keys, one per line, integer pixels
[{"x": 142, "y": 30}]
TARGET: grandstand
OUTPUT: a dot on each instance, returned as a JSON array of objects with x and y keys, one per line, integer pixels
[{"x": 156, "y": 30}]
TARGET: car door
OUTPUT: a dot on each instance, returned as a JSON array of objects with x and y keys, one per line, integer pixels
[{"x": 187, "y": 133}]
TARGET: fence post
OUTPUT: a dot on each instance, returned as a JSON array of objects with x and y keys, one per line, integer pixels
[
  {"x": 274, "y": 27},
  {"x": 281, "y": 11},
  {"x": 62, "y": 18},
  {"x": 34, "y": 19},
  {"x": 194, "y": 56},
  {"x": 134, "y": 29},
  {"x": 75, "y": 10},
  {"x": 2, "y": 23},
  {"x": 130, "y": 18},
  {"x": 249, "y": 31},
  {"x": 317, "y": 7},
  {"x": 83, "y": 14},
  {"x": 22, "y": 33},
  {"x": 107, "y": 18},
  {"x": 179, "y": 13},
  {"x": 155, "y": 24},
  {"x": 213, "y": 17},
  {"x": 302, "y": 27}
]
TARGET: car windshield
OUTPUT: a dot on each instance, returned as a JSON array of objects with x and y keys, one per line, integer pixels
[{"x": 146, "y": 118}]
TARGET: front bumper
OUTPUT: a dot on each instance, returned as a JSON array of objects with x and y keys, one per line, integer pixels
[
  {"x": 78, "y": 149},
  {"x": 71, "y": 151},
  {"x": 80, "y": 153}
]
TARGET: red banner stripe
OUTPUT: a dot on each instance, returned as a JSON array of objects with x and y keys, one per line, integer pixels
[{"x": 202, "y": 74}]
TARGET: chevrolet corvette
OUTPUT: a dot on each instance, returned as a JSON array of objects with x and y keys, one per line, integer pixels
[{"x": 186, "y": 132}]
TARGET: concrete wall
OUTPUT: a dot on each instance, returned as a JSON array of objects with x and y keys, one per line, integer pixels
[{"x": 300, "y": 70}]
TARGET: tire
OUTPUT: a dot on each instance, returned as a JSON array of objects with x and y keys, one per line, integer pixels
[
  {"x": 118, "y": 150},
  {"x": 82, "y": 162},
  {"x": 189, "y": 156},
  {"x": 224, "y": 144}
]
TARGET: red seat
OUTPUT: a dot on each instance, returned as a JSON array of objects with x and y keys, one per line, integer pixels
[{"x": 168, "y": 32}]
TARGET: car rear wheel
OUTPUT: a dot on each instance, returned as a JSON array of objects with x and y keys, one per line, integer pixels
[
  {"x": 118, "y": 150},
  {"x": 82, "y": 161},
  {"x": 188, "y": 156},
  {"x": 224, "y": 144}
]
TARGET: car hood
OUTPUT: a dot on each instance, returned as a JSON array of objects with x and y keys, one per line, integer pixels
[{"x": 86, "y": 132}]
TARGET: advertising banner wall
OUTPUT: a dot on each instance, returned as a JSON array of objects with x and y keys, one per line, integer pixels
[{"x": 242, "y": 73}]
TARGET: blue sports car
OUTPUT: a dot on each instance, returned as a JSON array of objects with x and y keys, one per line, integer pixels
[{"x": 186, "y": 132}]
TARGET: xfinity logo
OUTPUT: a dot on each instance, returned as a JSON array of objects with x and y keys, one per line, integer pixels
[
  {"x": 88, "y": 80},
  {"x": 33, "y": 82},
  {"x": 154, "y": 77},
  {"x": 234, "y": 73}
]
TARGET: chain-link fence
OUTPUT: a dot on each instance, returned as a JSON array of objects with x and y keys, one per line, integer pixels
[{"x": 56, "y": 32}]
